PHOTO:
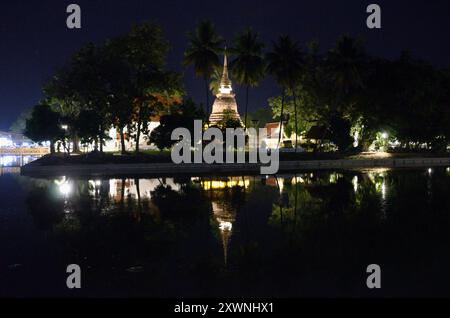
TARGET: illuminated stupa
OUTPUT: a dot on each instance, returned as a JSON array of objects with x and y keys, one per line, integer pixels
[{"x": 225, "y": 99}]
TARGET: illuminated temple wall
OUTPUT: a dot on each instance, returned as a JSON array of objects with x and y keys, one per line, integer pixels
[{"x": 114, "y": 145}]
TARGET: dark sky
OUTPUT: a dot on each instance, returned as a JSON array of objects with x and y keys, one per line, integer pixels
[{"x": 34, "y": 39}]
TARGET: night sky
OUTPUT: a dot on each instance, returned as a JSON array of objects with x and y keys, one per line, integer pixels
[{"x": 35, "y": 41}]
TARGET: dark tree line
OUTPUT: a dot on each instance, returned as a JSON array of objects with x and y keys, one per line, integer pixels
[
  {"x": 121, "y": 83},
  {"x": 124, "y": 83},
  {"x": 347, "y": 90}
]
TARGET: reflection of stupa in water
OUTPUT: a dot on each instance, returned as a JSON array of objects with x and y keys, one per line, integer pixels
[
  {"x": 226, "y": 218},
  {"x": 223, "y": 212}
]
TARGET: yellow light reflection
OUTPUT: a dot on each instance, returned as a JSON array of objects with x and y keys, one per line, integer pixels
[{"x": 224, "y": 184}]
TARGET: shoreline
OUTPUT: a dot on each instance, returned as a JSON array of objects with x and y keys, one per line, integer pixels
[{"x": 171, "y": 169}]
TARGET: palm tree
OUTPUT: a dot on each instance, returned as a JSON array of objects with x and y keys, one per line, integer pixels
[
  {"x": 202, "y": 53},
  {"x": 248, "y": 67},
  {"x": 215, "y": 80},
  {"x": 345, "y": 65},
  {"x": 285, "y": 64},
  {"x": 345, "y": 76}
]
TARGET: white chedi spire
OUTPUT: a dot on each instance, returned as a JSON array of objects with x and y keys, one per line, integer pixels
[
  {"x": 225, "y": 83},
  {"x": 225, "y": 99}
]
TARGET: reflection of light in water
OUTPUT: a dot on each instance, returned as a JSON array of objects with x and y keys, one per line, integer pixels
[
  {"x": 383, "y": 190},
  {"x": 64, "y": 186},
  {"x": 9, "y": 170},
  {"x": 380, "y": 187},
  {"x": 298, "y": 180},
  {"x": 430, "y": 171},
  {"x": 146, "y": 186},
  {"x": 281, "y": 184},
  {"x": 225, "y": 226},
  {"x": 375, "y": 171},
  {"x": 378, "y": 177},
  {"x": 355, "y": 183},
  {"x": 375, "y": 175},
  {"x": 225, "y": 217},
  {"x": 94, "y": 187},
  {"x": 334, "y": 177},
  {"x": 223, "y": 184}
]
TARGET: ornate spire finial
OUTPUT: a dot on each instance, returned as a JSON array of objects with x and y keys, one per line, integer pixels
[
  {"x": 225, "y": 60},
  {"x": 225, "y": 83}
]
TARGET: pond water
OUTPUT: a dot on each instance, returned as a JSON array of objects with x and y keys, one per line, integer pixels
[{"x": 310, "y": 234}]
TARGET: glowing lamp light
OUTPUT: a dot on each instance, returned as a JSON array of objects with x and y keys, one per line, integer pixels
[
  {"x": 225, "y": 90},
  {"x": 355, "y": 183},
  {"x": 64, "y": 186},
  {"x": 383, "y": 190},
  {"x": 385, "y": 135},
  {"x": 225, "y": 226}
]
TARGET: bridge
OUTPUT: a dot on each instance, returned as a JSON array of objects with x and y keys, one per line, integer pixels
[{"x": 41, "y": 151}]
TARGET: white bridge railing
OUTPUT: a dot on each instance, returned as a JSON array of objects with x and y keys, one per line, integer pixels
[{"x": 24, "y": 151}]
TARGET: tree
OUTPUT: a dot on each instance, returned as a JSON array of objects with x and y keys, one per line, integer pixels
[
  {"x": 19, "y": 125},
  {"x": 91, "y": 90},
  {"x": 340, "y": 133},
  {"x": 334, "y": 85},
  {"x": 119, "y": 75},
  {"x": 259, "y": 118},
  {"x": 179, "y": 116},
  {"x": 215, "y": 79},
  {"x": 344, "y": 77},
  {"x": 285, "y": 63},
  {"x": 202, "y": 53},
  {"x": 154, "y": 88},
  {"x": 229, "y": 120},
  {"x": 162, "y": 91},
  {"x": 305, "y": 107},
  {"x": 248, "y": 67},
  {"x": 121, "y": 83},
  {"x": 80, "y": 88},
  {"x": 61, "y": 100},
  {"x": 44, "y": 125},
  {"x": 88, "y": 128}
]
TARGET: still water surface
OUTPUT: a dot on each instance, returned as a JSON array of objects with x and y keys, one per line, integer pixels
[{"x": 303, "y": 235}]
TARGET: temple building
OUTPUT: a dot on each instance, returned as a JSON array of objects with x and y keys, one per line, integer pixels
[{"x": 225, "y": 100}]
